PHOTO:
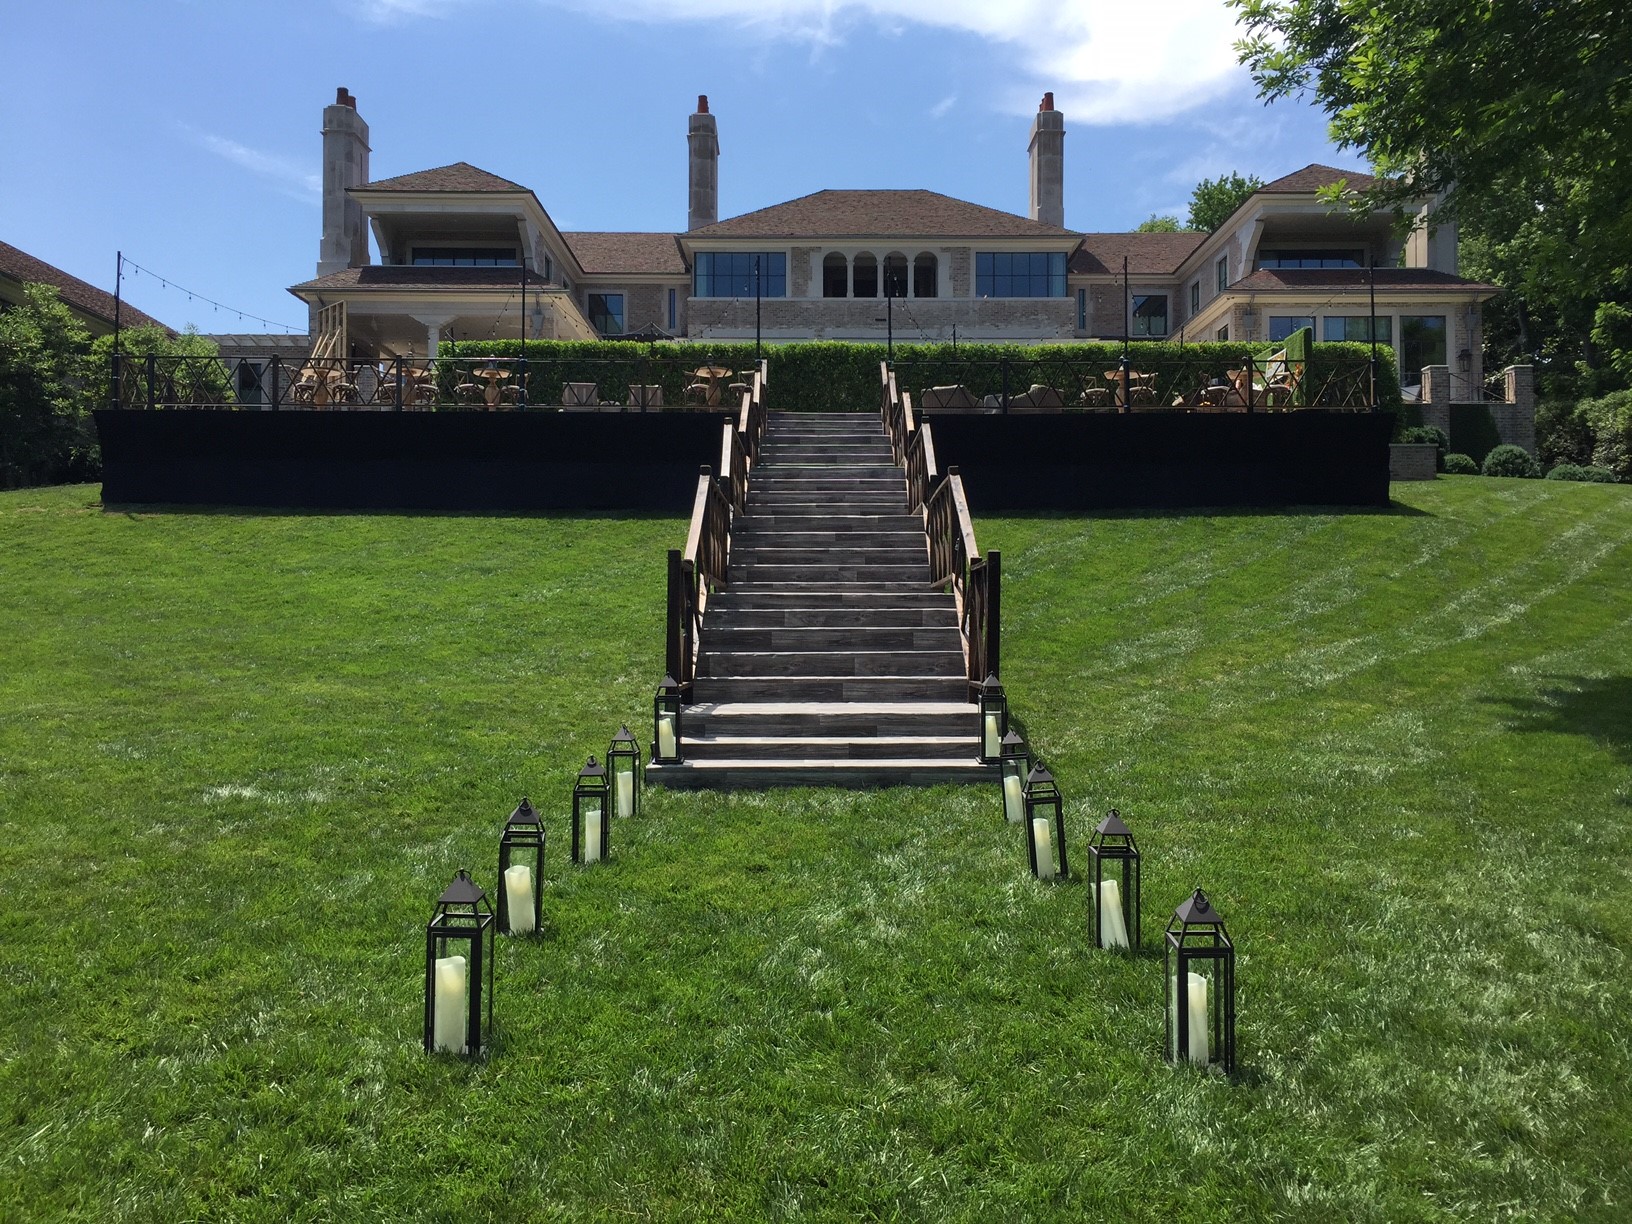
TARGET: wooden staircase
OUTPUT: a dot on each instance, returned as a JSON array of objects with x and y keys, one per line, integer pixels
[{"x": 828, "y": 658}]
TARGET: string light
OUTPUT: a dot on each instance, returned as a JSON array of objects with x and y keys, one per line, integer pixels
[{"x": 166, "y": 283}]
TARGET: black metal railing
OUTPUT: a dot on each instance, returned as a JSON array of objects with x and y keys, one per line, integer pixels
[
  {"x": 1247, "y": 382},
  {"x": 645, "y": 384}
]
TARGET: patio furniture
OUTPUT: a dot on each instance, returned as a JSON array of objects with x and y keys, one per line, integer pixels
[
  {"x": 1037, "y": 399},
  {"x": 948, "y": 399},
  {"x": 643, "y": 397},
  {"x": 492, "y": 393},
  {"x": 580, "y": 395}
]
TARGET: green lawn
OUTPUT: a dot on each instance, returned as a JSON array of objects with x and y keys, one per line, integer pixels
[{"x": 240, "y": 756}]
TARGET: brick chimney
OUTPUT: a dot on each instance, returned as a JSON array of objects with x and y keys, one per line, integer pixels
[
  {"x": 345, "y": 164},
  {"x": 703, "y": 201},
  {"x": 1047, "y": 152}
]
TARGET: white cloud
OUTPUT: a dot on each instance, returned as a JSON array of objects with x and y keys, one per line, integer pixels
[
  {"x": 944, "y": 107},
  {"x": 389, "y": 12},
  {"x": 291, "y": 177},
  {"x": 1107, "y": 61}
]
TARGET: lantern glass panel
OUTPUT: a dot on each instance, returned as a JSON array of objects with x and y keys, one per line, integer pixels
[
  {"x": 521, "y": 872},
  {"x": 1045, "y": 826},
  {"x": 623, "y": 761},
  {"x": 994, "y": 719},
  {"x": 1116, "y": 901},
  {"x": 666, "y": 733},
  {"x": 1200, "y": 987},
  {"x": 591, "y": 815},
  {"x": 1016, "y": 763},
  {"x": 459, "y": 970}
]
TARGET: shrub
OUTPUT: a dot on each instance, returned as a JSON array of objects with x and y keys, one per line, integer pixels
[
  {"x": 1587, "y": 473},
  {"x": 1563, "y": 436},
  {"x": 1510, "y": 460},
  {"x": 1429, "y": 433},
  {"x": 1461, "y": 465}
]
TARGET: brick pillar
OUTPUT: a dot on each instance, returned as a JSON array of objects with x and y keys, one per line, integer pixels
[{"x": 1436, "y": 384}]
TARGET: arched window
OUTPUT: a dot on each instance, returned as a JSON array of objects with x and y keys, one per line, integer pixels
[
  {"x": 865, "y": 273},
  {"x": 895, "y": 275},
  {"x": 835, "y": 276},
  {"x": 925, "y": 276}
]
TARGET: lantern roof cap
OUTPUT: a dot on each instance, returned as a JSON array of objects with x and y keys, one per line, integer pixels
[
  {"x": 623, "y": 736},
  {"x": 1013, "y": 737},
  {"x": 592, "y": 770},
  {"x": 1197, "y": 910},
  {"x": 1112, "y": 826},
  {"x": 669, "y": 685},
  {"x": 525, "y": 813},
  {"x": 991, "y": 684},
  {"x": 462, "y": 890},
  {"x": 1039, "y": 773}
]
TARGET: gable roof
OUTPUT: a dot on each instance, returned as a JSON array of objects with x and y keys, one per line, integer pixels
[
  {"x": 601, "y": 253},
  {"x": 879, "y": 214},
  {"x": 1315, "y": 176},
  {"x": 1147, "y": 254},
  {"x": 461, "y": 176},
  {"x": 83, "y": 297}
]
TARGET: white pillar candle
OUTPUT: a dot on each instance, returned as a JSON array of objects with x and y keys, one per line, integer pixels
[
  {"x": 1042, "y": 837},
  {"x": 592, "y": 833},
  {"x": 518, "y": 897},
  {"x": 665, "y": 734},
  {"x": 450, "y": 1011},
  {"x": 1014, "y": 798},
  {"x": 623, "y": 785},
  {"x": 1113, "y": 928},
  {"x": 990, "y": 741},
  {"x": 1199, "y": 1032}
]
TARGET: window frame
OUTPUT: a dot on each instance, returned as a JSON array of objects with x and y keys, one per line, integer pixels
[
  {"x": 739, "y": 276},
  {"x": 1138, "y": 300},
  {"x": 998, "y": 274},
  {"x": 623, "y": 308}
]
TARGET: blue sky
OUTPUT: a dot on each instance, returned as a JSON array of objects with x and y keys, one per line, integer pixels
[{"x": 185, "y": 132}]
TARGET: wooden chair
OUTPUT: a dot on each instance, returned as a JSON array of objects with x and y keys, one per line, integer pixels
[
  {"x": 580, "y": 395},
  {"x": 948, "y": 399},
  {"x": 644, "y": 397}
]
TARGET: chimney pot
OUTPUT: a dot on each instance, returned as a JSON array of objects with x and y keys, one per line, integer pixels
[
  {"x": 344, "y": 98},
  {"x": 1048, "y": 101},
  {"x": 702, "y": 104}
]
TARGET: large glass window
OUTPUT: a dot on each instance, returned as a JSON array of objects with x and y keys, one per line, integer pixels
[
  {"x": 835, "y": 276},
  {"x": 1422, "y": 343},
  {"x": 1353, "y": 327},
  {"x": 1282, "y": 326},
  {"x": 606, "y": 313},
  {"x": 895, "y": 276},
  {"x": 1293, "y": 258},
  {"x": 1150, "y": 314},
  {"x": 1019, "y": 274},
  {"x": 464, "y": 257},
  {"x": 865, "y": 273},
  {"x": 730, "y": 274},
  {"x": 926, "y": 280}
]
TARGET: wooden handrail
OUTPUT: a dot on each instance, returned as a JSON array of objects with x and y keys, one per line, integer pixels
[
  {"x": 733, "y": 468},
  {"x": 955, "y": 563},
  {"x": 919, "y": 462},
  {"x": 693, "y": 573}
]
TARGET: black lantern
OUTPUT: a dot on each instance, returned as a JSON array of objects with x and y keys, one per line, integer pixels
[
  {"x": 458, "y": 947},
  {"x": 623, "y": 764},
  {"x": 666, "y": 723},
  {"x": 1045, "y": 826},
  {"x": 994, "y": 719},
  {"x": 1116, "y": 900},
  {"x": 1016, "y": 763},
  {"x": 521, "y": 871},
  {"x": 591, "y": 815},
  {"x": 1200, "y": 986}
]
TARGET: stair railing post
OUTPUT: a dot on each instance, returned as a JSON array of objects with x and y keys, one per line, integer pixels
[
  {"x": 994, "y": 611},
  {"x": 674, "y": 651}
]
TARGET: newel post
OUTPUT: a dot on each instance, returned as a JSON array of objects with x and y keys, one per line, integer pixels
[{"x": 994, "y": 610}]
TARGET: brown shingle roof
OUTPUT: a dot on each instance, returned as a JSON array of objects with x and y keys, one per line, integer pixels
[
  {"x": 1356, "y": 278},
  {"x": 1313, "y": 177},
  {"x": 878, "y": 214},
  {"x": 461, "y": 176},
  {"x": 399, "y": 276},
  {"x": 86, "y": 298},
  {"x": 601, "y": 253},
  {"x": 1147, "y": 254}
]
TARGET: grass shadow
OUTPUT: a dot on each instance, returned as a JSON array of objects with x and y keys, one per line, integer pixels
[
  {"x": 1394, "y": 509},
  {"x": 134, "y": 510},
  {"x": 1596, "y": 708}
]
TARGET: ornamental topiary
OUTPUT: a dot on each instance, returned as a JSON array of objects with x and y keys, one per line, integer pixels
[
  {"x": 1576, "y": 471},
  {"x": 1510, "y": 460},
  {"x": 1460, "y": 465}
]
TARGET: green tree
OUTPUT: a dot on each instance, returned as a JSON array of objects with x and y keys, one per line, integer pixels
[
  {"x": 47, "y": 382},
  {"x": 1515, "y": 115},
  {"x": 1159, "y": 225},
  {"x": 1215, "y": 200}
]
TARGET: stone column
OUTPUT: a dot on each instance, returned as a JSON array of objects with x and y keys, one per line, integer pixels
[
  {"x": 1047, "y": 153},
  {"x": 345, "y": 164},
  {"x": 1436, "y": 384}
]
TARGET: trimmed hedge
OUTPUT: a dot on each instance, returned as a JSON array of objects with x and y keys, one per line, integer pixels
[
  {"x": 1581, "y": 472},
  {"x": 833, "y": 376},
  {"x": 1458, "y": 464}
]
